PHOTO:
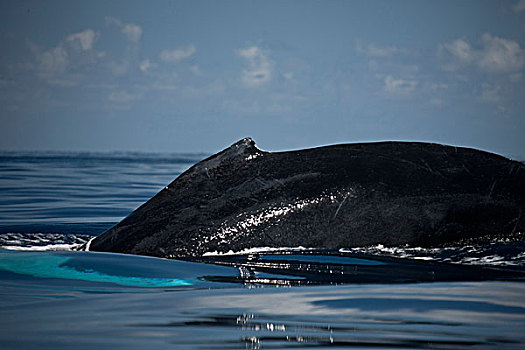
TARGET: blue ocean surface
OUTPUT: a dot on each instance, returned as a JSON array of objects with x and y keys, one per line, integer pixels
[{"x": 54, "y": 297}]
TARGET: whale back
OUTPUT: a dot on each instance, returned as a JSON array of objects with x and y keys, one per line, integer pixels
[{"x": 348, "y": 195}]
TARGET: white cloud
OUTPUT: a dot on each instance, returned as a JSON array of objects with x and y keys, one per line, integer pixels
[
  {"x": 516, "y": 77},
  {"x": 119, "y": 68},
  {"x": 373, "y": 50},
  {"x": 122, "y": 96},
  {"x": 196, "y": 70},
  {"x": 52, "y": 62},
  {"x": 436, "y": 101},
  {"x": 519, "y": 6},
  {"x": 501, "y": 55},
  {"x": 53, "y": 65},
  {"x": 490, "y": 93},
  {"x": 436, "y": 86},
  {"x": 145, "y": 65},
  {"x": 460, "y": 49},
  {"x": 113, "y": 21},
  {"x": 260, "y": 67},
  {"x": 496, "y": 55},
  {"x": 164, "y": 86},
  {"x": 85, "y": 38},
  {"x": 133, "y": 32},
  {"x": 399, "y": 86},
  {"x": 178, "y": 54}
]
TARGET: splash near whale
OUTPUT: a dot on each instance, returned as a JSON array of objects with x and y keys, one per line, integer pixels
[{"x": 339, "y": 196}]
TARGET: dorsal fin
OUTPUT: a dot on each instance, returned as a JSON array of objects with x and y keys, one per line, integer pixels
[
  {"x": 244, "y": 149},
  {"x": 245, "y": 146}
]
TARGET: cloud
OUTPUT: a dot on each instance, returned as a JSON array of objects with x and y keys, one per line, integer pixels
[
  {"x": 113, "y": 21},
  {"x": 196, "y": 70},
  {"x": 122, "y": 97},
  {"x": 52, "y": 62},
  {"x": 519, "y": 6},
  {"x": 178, "y": 54},
  {"x": 260, "y": 67},
  {"x": 55, "y": 65},
  {"x": 436, "y": 101},
  {"x": 133, "y": 32},
  {"x": 460, "y": 49},
  {"x": 145, "y": 65},
  {"x": 494, "y": 54},
  {"x": 85, "y": 38},
  {"x": 373, "y": 50},
  {"x": 399, "y": 86},
  {"x": 501, "y": 55},
  {"x": 436, "y": 86},
  {"x": 516, "y": 77},
  {"x": 490, "y": 93},
  {"x": 119, "y": 67}
]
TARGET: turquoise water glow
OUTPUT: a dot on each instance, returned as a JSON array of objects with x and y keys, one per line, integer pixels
[{"x": 53, "y": 266}]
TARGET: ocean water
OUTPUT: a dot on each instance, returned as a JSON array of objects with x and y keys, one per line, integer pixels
[{"x": 53, "y": 297}]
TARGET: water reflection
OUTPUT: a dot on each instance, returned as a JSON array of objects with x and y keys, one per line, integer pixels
[
  {"x": 440, "y": 316},
  {"x": 317, "y": 267},
  {"x": 482, "y": 315}
]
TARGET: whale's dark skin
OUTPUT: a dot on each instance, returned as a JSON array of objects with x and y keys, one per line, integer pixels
[{"x": 348, "y": 195}]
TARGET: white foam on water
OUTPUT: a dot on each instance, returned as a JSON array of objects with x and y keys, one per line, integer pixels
[
  {"x": 467, "y": 255},
  {"x": 42, "y": 248},
  {"x": 423, "y": 258},
  {"x": 486, "y": 260},
  {"x": 43, "y": 241}
]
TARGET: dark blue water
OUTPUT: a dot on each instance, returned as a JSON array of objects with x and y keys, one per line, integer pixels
[
  {"x": 52, "y": 297},
  {"x": 80, "y": 192}
]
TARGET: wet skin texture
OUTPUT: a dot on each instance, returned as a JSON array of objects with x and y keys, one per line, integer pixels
[{"x": 348, "y": 195}]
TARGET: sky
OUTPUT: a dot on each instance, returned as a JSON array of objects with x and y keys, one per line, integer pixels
[{"x": 196, "y": 76}]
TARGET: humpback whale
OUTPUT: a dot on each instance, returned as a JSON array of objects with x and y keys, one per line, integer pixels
[{"x": 345, "y": 195}]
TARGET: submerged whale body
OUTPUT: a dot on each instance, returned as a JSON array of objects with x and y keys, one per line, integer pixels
[{"x": 348, "y": 195}]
